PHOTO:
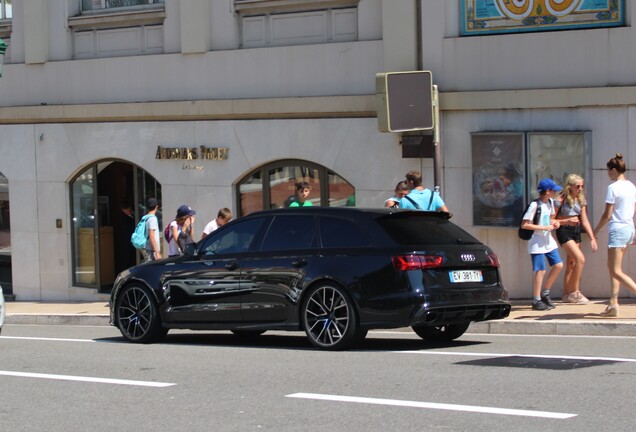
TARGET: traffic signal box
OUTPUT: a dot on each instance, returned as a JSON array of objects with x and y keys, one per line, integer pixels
[{"x": 404, "y": 101}]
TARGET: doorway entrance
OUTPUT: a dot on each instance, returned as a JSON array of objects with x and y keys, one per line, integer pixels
[{"x": 107, "y": 200}]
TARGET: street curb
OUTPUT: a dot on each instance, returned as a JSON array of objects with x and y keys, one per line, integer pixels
[
  {"x": 502, "y": 327},
  {"x": 58, "y": 319},
  {"x": 556, "y": 327}
]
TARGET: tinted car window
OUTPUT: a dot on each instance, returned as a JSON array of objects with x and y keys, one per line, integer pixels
[
  {"x": 237, "y": 238},
  {"x": 290, "y": 232},
  {"x": 341, "y": 233},
  {"x": 416, "y": 228}
]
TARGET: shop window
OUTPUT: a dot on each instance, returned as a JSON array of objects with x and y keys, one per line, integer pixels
[
  {"x": 6, "y": 11},
  {"x": 508, "y": 165},
  {"x": 293, "y": 22},
  {"x": 274, "y": 186}
]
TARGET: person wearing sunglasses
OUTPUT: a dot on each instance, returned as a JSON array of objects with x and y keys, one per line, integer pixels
[{"x": 572, "y": 217}]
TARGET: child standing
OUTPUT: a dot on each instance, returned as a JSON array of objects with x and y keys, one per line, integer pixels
[{"x": 542, "y": 245}]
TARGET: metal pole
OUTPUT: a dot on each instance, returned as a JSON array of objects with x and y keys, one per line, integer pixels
[{"x": 437, "y": 159}]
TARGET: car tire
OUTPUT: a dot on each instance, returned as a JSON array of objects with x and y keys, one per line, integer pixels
[
  {"x": 138, "y": 317},
  {"x": 444, "y": 333},
  {"x": 329, "y": 318}
]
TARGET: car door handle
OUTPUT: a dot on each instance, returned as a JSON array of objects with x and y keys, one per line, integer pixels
[
  {"x": 299, "y": 263},
  {"x": 232, "y": 266}
]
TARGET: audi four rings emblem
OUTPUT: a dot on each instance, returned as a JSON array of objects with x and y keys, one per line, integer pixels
[{"x": 468, "y": 257}]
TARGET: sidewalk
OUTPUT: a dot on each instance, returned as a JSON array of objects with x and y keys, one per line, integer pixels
[{"x": 566, "y": 319}]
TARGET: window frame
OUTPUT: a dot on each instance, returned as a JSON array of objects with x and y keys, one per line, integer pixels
[
  {"x": 3, "y": 11},
  {"x": 262, "y": 7},
  {"x": 104, "y": 8}
]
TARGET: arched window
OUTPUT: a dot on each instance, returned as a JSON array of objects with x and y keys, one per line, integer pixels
[{"x": 273, "y": 186}]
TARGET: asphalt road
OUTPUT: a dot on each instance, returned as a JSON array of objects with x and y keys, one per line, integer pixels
[{"x": 69, "y": 378}]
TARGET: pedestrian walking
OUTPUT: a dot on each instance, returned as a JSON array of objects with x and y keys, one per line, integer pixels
[
  {"x": 542, "y": 245},
  {"x": 181, "y": 230},
  {"x": 401, "y": 189},
  {"x": 152, "y": 250},
  {"x": 572, "y": 217},
  {"x": 620, "y": 200},
  {"x": 223, "y": 216},
  {"x": 420, "y": 198}
]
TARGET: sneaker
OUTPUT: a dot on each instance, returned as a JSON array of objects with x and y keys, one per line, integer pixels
[
  {"x": 580, "y": 298},
  {"x": 569, "y": 298},
  {"x": 539, "y": 305},
  {"x": 548, "y": 301}
]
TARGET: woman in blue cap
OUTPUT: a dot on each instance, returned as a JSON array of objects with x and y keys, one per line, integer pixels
[{"x": 542, "y": 245}]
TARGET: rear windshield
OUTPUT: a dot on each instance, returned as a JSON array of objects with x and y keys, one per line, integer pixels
[{"x": 417, "y": 228}]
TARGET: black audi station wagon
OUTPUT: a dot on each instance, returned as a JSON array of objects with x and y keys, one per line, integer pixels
[{"x": 334, "y": 273}]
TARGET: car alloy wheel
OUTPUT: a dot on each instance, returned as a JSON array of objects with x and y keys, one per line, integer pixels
[
  {"x": 137, "y": 316},
  {"x": 443, "y": 333},
  {"x": 329, "y": 318}
]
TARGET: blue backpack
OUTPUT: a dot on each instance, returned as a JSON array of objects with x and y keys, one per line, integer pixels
[{"x": 139, "y": 237}]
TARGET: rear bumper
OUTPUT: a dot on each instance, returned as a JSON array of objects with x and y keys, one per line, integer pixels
[{"x": 461, "y": 314}]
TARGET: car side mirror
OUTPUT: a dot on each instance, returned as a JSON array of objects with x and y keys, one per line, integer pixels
[{"x": 191, "y": 249}]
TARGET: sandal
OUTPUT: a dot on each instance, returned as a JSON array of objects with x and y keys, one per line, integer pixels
[{"x": 610, "y": 311}]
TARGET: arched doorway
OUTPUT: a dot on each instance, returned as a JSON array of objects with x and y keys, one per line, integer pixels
[
  {"x": 6, "y": 279},
  {"x": 100, "y": 223},
  {"x": 273, "y": 185}
]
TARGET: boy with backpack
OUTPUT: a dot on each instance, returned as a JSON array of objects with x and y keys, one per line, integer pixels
[
  {"x": 542, "y": 245},
  {"x": 146, "y": 234}
]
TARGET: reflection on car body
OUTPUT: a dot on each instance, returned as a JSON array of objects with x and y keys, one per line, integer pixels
[
  {"x": 333, "y": 272},
  {"x": 2, "y": 309}
]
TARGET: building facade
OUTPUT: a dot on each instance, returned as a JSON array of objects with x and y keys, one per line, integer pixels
[{"x": 226, "y": 103}]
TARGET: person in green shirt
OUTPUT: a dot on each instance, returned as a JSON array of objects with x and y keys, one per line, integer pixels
[{"x": 302, "y": 192}]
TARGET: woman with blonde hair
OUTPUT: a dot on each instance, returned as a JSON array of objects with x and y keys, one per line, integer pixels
[
  {"x": 620, "y": 203},
  {"x": 572, "y": 216}
]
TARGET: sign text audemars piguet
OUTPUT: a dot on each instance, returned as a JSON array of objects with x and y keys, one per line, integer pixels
[{"x": 192, "y": 153}]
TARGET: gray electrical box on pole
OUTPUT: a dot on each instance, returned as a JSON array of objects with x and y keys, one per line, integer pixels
[{"x": 404, "y": 101}]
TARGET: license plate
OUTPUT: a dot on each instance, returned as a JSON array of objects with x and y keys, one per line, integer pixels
[{"x": 459, "y": 276}]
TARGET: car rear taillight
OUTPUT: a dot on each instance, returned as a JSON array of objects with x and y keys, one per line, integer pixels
[
  {"x": 494, "y": 259},
  {"x": 417, "y": 262}
]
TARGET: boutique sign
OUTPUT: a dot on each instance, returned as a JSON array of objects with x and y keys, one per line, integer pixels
[{"x": 193, "y": 153}]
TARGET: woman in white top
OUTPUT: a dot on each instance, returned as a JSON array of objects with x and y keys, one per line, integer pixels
[
  {"x": 401, "y": 190},
  {"x": 620, "y": 204},
  {"x": 181, "y": 230}
]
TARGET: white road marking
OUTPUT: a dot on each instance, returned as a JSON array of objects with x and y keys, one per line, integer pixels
[
  {"x": 86, "y": 379},
  {"x": 431, "y": 405},
  {"x": 46, "y": 339},
  {"x": 466, "y": 336},
  {"x": 485, "y": 354}
]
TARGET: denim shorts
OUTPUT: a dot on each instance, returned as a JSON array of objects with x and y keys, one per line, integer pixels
[
  {"x": 621, "y": 237},
  {"x": 538, "y": 260}
]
